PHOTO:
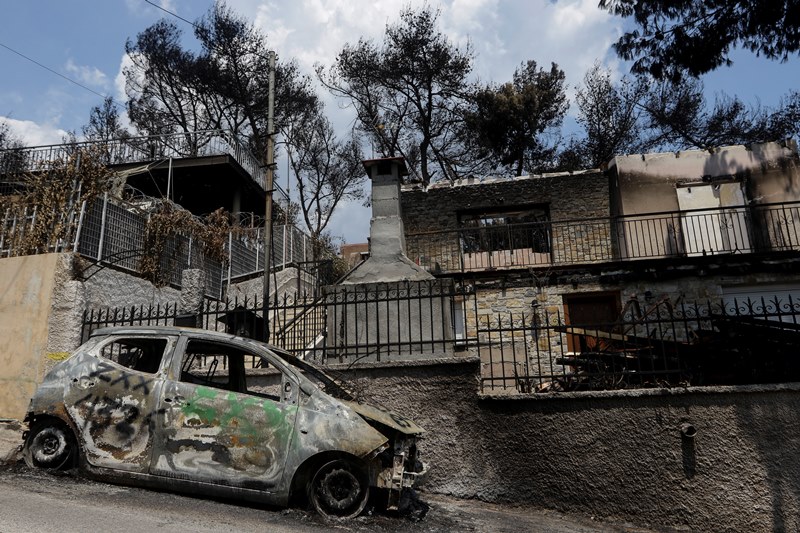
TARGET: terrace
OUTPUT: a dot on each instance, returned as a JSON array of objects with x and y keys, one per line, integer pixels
[{"x": 201, "y": 170}]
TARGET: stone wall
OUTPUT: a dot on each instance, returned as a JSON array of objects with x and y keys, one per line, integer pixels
[
  {"x": 437, "y": 209},
  {"x": 114, "y": 288},
  {"x": 616, "y": 455}
]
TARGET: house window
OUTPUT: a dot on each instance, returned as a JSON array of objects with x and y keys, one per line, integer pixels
[{"x": 505, "y": 238}]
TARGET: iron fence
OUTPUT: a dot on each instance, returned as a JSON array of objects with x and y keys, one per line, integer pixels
[
  {"x": 663, "y": 344},
  {"x": 296, "y": 321},
  {"x": 379, "y": 322},
  {"x": 688, "y": 233}
]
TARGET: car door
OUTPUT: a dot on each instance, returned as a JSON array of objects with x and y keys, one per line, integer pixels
[
  {"x": 112, "y": 397},
  {"x": 214, "y": 429}
]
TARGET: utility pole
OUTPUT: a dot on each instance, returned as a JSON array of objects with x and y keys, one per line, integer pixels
[{"x": 269, "y": 185}]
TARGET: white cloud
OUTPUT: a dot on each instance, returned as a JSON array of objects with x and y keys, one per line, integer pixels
[
  {"x": 139, "y": 7},
  {"x": 91, "y": 76},
  {"x": 32, "y": 133},
  {"x": 503, "y": 34},
  {"x": 119, "y": 79},
  {"x": 119, "y": 90},
  {"x": 350, "y": 221},
  {"x": 572, "y": 33}
]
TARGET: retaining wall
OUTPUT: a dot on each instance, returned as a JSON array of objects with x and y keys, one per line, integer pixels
[{"x": 618, "y": 455}]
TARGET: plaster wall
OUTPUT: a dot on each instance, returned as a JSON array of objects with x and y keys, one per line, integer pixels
[
  {"x": 616, "y": 455},
  {"x": 26, "y": 295},
  {"x": 389, "y": 321},
  {"x": 646, "y": 183},
  {"x": 41, "y": 311}
]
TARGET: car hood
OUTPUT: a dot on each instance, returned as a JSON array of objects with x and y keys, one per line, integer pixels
[{"x": 385, "y": 417}]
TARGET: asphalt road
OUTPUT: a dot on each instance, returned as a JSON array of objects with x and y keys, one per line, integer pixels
[{"x": 36, "y": 501}]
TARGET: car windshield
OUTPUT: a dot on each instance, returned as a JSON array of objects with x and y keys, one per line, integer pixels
[{"x": 330, "y": 385}]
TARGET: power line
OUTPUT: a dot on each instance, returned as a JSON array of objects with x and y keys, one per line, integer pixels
[
  {"x": 165, "y": 10},
  {"x": 79, "y": 84}
]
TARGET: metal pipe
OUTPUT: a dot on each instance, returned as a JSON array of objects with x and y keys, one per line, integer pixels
[{"x": 688, "y": 431}]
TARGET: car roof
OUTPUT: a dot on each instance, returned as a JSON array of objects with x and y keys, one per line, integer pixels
[{"x": 169, "y": 330}]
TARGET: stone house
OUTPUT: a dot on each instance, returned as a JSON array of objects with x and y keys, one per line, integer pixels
[{"x": 585, "y": 248}]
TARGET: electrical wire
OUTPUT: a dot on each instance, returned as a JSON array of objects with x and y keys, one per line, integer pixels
[
  {"x": 79, "y": 84},
  {"x": 165, "y": 10}
]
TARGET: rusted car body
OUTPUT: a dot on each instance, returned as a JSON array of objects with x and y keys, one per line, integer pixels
[{"x": 216, "y": 414}]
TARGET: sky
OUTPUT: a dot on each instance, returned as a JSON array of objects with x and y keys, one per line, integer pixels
[{"x": 84, "y": 40}]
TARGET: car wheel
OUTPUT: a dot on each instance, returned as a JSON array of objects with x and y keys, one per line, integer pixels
[
  {"x": 339, "y": 489},
  {"x": 50, "y": 445}
]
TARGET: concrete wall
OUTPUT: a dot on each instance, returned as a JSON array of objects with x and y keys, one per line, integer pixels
[
  {"x": 26, "y": 291},
  {"x": 41, "y": 310},
  {"x": 613, "y": 455},
  {"x": 287, "y": 281}
]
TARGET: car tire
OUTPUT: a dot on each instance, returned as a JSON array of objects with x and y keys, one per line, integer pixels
[
  {"x": 50, "y": 445},
  {"x": 339, "y": 489}
]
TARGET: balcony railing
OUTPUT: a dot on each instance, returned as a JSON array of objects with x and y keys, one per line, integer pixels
[
  {"x": 689, "y": 233},
  {"x": 138, "y": 150}
]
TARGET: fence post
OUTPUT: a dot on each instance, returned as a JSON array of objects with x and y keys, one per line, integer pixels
[
  {"x": 258, "y": 249},
  {"x": 283, "y": 259},
  {"x": 230, "y": 252},
  {"x": 102, "y": 227},
  {"x": 3, "y": 232}
]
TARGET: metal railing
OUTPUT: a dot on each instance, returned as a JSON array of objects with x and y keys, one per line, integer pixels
[
  {"x": 661, "y": 344},
  {"x": 727, "y": 342},
  {"x": 689, "y": 233},
  {"x": 111, "y": 231},
  {"x": 380, "y": 322},
  {"x": 296, "y": 321},
  {"x": 143, "y": 149}
]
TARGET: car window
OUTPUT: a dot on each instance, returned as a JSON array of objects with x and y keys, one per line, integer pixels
[
  {"x": 140, "y": 354},
  {"x": 225, "y": 366}
]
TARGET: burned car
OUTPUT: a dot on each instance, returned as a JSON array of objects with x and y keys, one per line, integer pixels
[{"x": 215, "y": 414}]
